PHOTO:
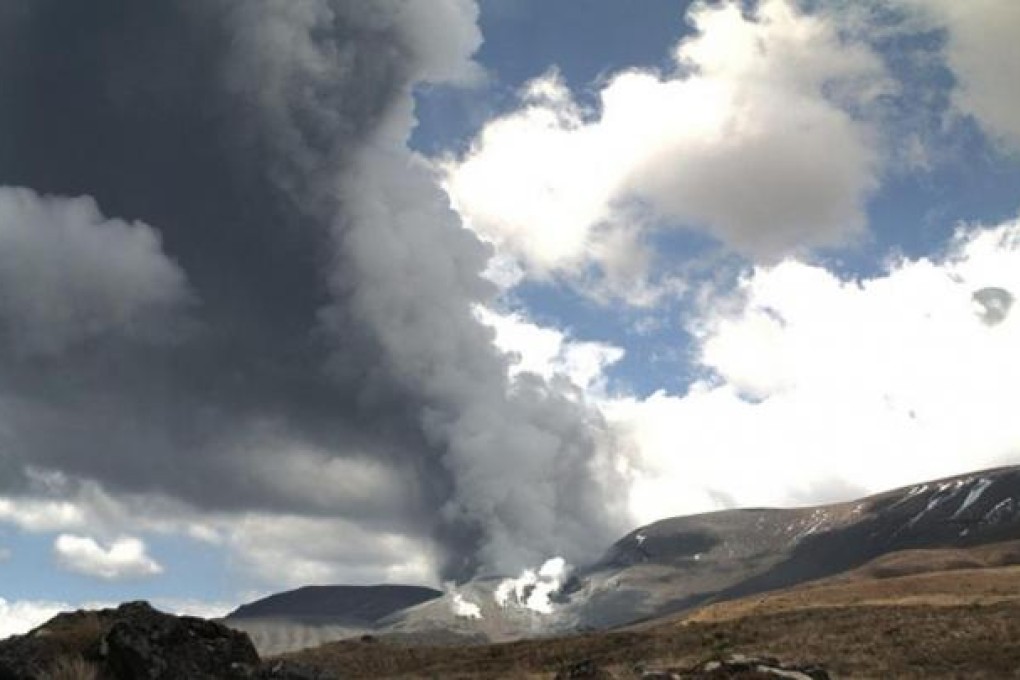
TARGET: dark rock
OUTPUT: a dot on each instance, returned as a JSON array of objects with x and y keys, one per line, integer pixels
[
  {"x": 63, "y": 640},
  {"x": 144, "y": 643},
  {"x": 583, "y": 670},
  {"x": 286, "y": 670},
  {"x": 136, "y": 642}
]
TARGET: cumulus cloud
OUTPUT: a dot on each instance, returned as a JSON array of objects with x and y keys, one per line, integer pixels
[
  {"x": 818, "y": 388},
  {"x": 728, "y": 141},
  {"x": 40, "y": 514},
  {"x": 268, "y": 550},
  {"x": 57, "y": 503},
  {"x": 124, "y": 558},
  {"x": 20, "y": 616},
  {"x": 68, "y": 274},
  {"x": 200, "y": 608},
  {"x": 983, "y": 54},
  {"x": 549, "y": 352}
]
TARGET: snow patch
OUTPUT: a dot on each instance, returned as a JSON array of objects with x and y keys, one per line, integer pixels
[
  {"x": 533, "y": 589},
  {"x": 915, "y": 491},
  {"x": 939, "y": 498},
  {"x": 975, "y": 493},
  {"x": 1002, "y": 510}
]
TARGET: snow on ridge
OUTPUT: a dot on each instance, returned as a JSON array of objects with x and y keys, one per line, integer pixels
[
  {"x": 975, "y": 493},
  {"x": 914, "y": 491}
]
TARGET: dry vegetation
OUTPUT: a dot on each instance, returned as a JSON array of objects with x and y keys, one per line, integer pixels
[
  {"x": 890, "y": 641},
  {"x": 891, "y": 618},
  {"x": 71, "y": 667},
  {"x": 73, "y": 633},
  {"x": 964, "y": 622}
]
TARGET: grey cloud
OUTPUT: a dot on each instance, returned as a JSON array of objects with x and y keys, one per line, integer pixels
[
  {"x": 69, "y": 275},
  {"x": 265, "y": 139},
  {"x": 993, "y": 304}
]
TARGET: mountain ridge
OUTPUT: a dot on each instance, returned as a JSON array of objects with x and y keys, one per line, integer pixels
[{"x": 677, "y": 564}]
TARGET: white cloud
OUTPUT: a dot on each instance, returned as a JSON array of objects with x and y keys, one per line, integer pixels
[
  {"x": 203, "y": 609},
  {"x": 984, "y": 55},
  {"x": 68, "y": 274},
  {"x": 820, "y": 388},
  {"x": 19, "y": 617},
  {"x": 55, "y": 502},
  {"x": 272, "y": 549},
  {"x": 755, "y": 137},
  {"x": 36, "y": 514},
  {"x": 123, "y": 558},
  {"x": 549, "y": 352}
]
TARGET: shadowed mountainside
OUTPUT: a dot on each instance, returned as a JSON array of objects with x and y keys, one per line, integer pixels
[{"x": 356, "y": 605}]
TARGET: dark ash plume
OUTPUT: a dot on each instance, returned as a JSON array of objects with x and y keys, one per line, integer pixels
[{"x": 310, "y": 293}]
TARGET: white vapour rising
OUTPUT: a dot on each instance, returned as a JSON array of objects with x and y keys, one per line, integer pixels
[
  {"x": 530, "y": 467},
  {"x": 464, "y": 608},
  {"x": 533, "y": 589}
]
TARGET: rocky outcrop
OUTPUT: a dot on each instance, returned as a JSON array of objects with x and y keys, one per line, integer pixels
[
  {"x": 136, "y": 642},
  {"x": 145, "y": 644}
]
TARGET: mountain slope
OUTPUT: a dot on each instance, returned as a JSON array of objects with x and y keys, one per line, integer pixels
[
  {"x": 311, "y": 615},
  {"x": 354, "y": 605},
  {"x": 681, "y": 563}
]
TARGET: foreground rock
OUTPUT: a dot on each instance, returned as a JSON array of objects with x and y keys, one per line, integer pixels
[{"x": 137, "y": 642}]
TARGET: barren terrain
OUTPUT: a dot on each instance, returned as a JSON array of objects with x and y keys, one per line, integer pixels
[{"x": 925, "y": 613}]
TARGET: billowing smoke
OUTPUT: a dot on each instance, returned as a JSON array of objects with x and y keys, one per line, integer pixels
[
  {"x": 534, "y": 589},
  {"x": 267, "y": 302}
]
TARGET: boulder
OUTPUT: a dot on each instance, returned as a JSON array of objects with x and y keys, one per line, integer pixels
[
  {"x": 148, "y": 645},
  {"x": 136, "y": 642}
]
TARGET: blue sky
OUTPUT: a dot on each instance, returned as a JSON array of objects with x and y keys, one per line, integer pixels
[{"x": 768, "y": 253}]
